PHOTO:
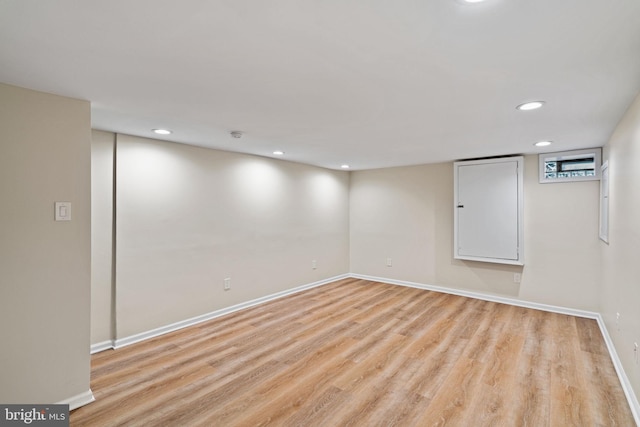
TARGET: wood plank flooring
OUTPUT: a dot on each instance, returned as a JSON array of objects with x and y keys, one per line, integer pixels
[{"x": 361, "y": 353}]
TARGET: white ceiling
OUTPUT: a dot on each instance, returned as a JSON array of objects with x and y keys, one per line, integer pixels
[{"x": 372, "y": 83}]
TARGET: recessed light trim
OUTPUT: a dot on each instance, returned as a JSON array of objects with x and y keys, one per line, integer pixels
[
  {"x": 278, "y": 153},
  {"x": 531, "y": 105},
  {"x": 543, "y": 143},
  {"x": 162, "y": 131},
  {"x": 473, "y": 1}
]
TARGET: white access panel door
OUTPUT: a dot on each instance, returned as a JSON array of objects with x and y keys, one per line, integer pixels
[{"x": 488, "y": 210}]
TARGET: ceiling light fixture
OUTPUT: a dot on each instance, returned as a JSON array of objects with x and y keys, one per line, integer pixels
[
  {"x": 345, "y": 166},
  {"x": 236, "y": 134},
  {"x": 162, "y": 131},
  {"x": 543, "y": 143},
  {"x": 473, "y": 1},
  {"x": 528, "y": 106},
  {"x": 278, "y": 153}
]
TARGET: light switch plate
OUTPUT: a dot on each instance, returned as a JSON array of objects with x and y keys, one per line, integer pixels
[{"x": 63, "y": 211}]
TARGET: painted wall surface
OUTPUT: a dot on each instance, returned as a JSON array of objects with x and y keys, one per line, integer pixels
[
  {"x": 621, "y": 261},
  {"x": 102, "y": 193},
  {"x": 406, "y": 214},
  {"x": 45, "y": 290},
  {"x": 188, "y": 217},
  {"x": 562, "y": 255}
]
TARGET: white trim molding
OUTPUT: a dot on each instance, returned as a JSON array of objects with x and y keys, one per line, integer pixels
[
  {"x": 102, "y": 346},
  {"x": 484, "y": 297},
  {"x": 78, "y": 400},
  {"x": 622, "y": 376},
  {"x": 212, "y": 315}
]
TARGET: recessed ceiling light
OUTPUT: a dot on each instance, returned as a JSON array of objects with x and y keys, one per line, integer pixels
[
  {"x": 533, "y": 105},
  {"x": 236, "y": 133},
  {"x": 542, "y": 143},
  {"x": 473, "y": 1},
  {"x": 345, "y": 166},
  {"x": 278, "y": 153},
  {"x": 162, "y": 131}
]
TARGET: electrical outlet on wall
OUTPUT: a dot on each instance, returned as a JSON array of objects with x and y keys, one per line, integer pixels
[
  {"x": 314, "y": 264},
  {"x": 635, "y": 352},
  {"x": 389, "y": 262},
  {"x": 618, "y": 322},
  {"x": 517, "y": 277},
  {"x": 227, "y": 283}
]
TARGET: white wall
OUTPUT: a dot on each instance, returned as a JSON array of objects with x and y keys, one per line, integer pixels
[
  {"x": 189, "y": 217},
  {"x": 45, "y": 290},
  {"x": 621, "y": 260},
  {"x": 102, "y": 193},
  {"x": 406, "y": 214}
]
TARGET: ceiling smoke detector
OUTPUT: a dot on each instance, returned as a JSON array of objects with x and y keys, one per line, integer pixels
[{"x": 236, "y": 134}]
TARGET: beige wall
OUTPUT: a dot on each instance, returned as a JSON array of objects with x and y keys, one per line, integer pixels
[
  {"x": 621, "y": 261},
  {"x": 102, "y": 187},
  {"x": 406, "y": 214},
  {"x": 45, "y": 265},
  {"x": 562, "y": 255},
  {"x": 189, "y": 217}
]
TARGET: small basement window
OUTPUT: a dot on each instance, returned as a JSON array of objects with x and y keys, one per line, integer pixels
[{"x": 567, "y": 166}]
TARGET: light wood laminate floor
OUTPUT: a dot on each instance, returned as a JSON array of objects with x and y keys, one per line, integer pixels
[{"x": 362, "y": 353}]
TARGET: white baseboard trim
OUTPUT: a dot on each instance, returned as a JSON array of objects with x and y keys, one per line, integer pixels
[
  {"x": 102, "y": 346},
  {"x": 122, "y": 342},
  {"x": 484, "y": 297},
  {"x": 78, "y": 400},
  {"x": 622, "y": 376}
]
